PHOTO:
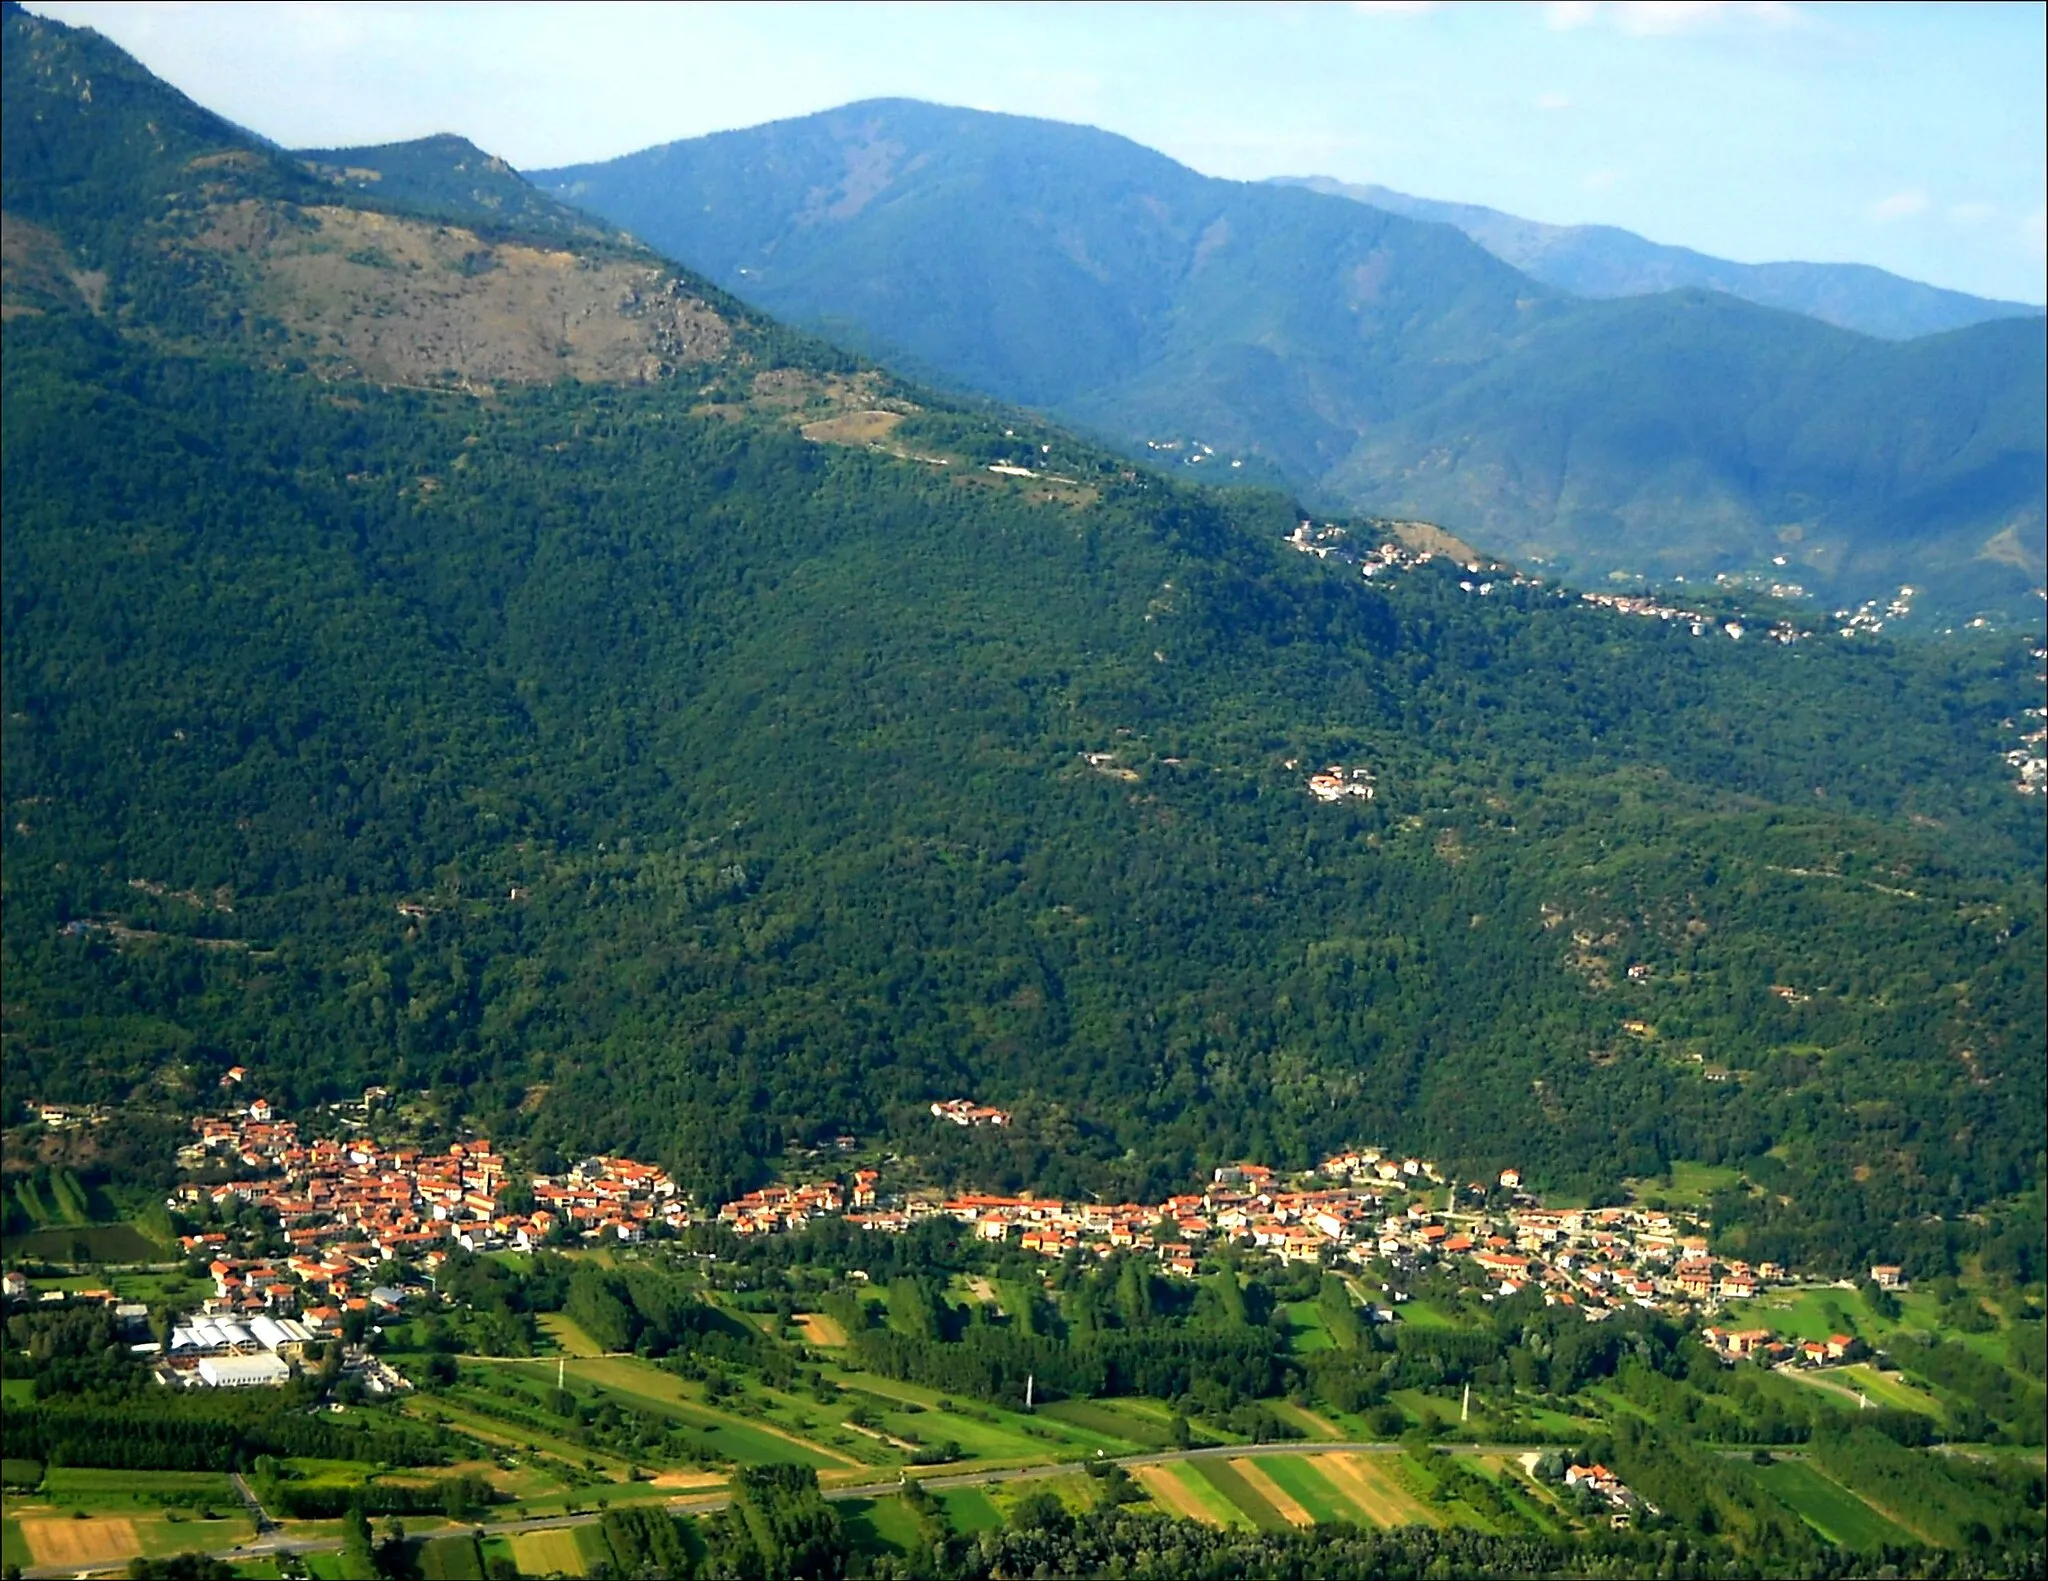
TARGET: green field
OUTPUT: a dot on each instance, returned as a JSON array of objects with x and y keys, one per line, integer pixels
[
  {"x": 83, "y": 1487},
  {"x": 451, "y": 1559},
  {"x": 1828, "y": 1507},
  {"x": 1306, "y": 1330},
  {"x": 1230, "y": 1483},
  {"x": 13, "y": 1547},
  {"x": 94, "y": 1243},
  {"x": 969, "y": 1510},
  {"x": 1116, "y": 1419},
  {"x": 1309, "y": 1488},
  {"x": 876, "y": 1526}
]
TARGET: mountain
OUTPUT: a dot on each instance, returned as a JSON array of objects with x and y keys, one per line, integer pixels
[
  {"x": 524, "y": 678},
  {"x": 1606, "y": 261},
  {"x": 1384, "y": 364}
]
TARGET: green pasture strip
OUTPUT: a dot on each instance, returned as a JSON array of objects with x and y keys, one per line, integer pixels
[
  {"x": 1207, "y": 1494},
  {"x": 969, "y": 1510},
  {"x": 735, "y": 1437},
  {"x": 94, "y": 1487},
  {"x": 451, "y": 1559},
  {"x": 1424, "y": 1315},
  {"x": 17, "y": 1391},
  {"x": 14, "y": 1546},
  {"x": 1227, "y": 1480},
  {"x": 591, "y": 1544},
  {"x": 1840, "y": 1385},
  {"x": 490, "y": 1430},
  {"x": 162, "y": 1536},
  {"x": 1889, "y": 1388},
  {"x": 1828, "y": 1507},
  {"x": 1099, "y": 1416},
  {"x": 86, "y": 1243},
  {"x": 1316, "y": 1424},
  {"x": 1298, "y": 1478}
]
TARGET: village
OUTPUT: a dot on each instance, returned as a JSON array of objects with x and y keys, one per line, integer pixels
[{"x": 363, "y": 1222}]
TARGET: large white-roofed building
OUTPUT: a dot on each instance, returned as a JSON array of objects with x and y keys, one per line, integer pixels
[{"x": 243, "y": 1372}]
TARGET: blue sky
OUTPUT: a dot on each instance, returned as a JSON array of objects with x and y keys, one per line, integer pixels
[{"x": 1907, "y": 136}]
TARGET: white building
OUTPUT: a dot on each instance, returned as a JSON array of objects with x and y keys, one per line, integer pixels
[{"x": 243, "y": 1372}]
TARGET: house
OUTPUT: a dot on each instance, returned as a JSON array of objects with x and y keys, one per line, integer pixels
[
  {"x": 14, "y": 1284},
  {"x": 1511, "y": 1180},
  {"x": 1888, "y": 1276}
]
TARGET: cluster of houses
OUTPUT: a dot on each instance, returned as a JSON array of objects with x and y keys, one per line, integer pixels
[
  {"x": 965, "y": 1111},
  {"x": 349, "y": 1205},
  {"x": 1356, "y": 1207},
  {"x": 1701, "y": 623},
  {"x": 1337, "y": 782},
  {"x": 2029, "y": 760}
]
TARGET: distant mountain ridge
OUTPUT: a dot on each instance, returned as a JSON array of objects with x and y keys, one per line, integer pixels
[
  {"x": 1606, "y": 261},
  {"x": 1380, "y": 363}
]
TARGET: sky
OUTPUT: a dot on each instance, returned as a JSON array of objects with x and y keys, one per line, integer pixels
[{"x": 1907, "y": 136}]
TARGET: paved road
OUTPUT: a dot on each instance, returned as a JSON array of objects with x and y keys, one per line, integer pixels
[{"x": 274, "y": 1542}]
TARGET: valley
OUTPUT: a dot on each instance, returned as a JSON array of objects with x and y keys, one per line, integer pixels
[{"x": 639, "y": 944}]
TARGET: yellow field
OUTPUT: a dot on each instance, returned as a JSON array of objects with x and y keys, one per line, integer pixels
[
  {"x": 548, "y": 1553},
  {"x": 62, "y": 1541},
  {"x": 1376, "y": 1490}
]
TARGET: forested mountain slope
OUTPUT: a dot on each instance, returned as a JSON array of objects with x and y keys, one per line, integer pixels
[
  {"x": 1393, "y": 366},
  {"x": 696, "y": 757},
  {"x": 1604, "y": 260}
]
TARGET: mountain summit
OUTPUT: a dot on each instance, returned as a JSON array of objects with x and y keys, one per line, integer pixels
[{"x": 1384, "y": 363}]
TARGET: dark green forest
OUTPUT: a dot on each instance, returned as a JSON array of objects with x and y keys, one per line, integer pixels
[{"x": 733, "y": 786}]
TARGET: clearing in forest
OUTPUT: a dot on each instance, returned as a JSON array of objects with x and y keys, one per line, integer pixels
[
  {"x": 1377, "y": 1490},
  {"x": 821, "y": 1330}
]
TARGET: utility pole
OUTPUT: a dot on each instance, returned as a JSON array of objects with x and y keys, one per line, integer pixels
[
  {"x": 561, "y": 1366},
  {"x": 1030, "y": 1383},
  {"x": 1465, "y": 1415}
]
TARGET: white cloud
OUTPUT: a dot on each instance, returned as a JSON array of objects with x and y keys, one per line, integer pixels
[
  {"x": 1655, "y": 18},
  {"x": 2034, "y": 232},
  {"x": 1600, "y": 180},
  {"x": 1901, "y": 205},
  {"x": 1553, "y": 101},
  {"x": 1972, "y": 213}
]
